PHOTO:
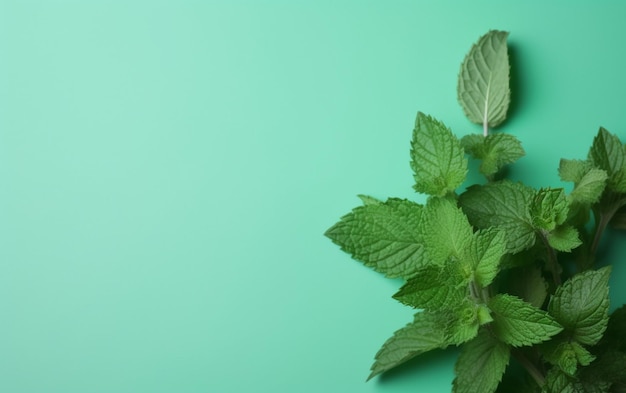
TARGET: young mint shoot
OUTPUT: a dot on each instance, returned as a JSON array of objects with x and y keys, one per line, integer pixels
[{"x": 509, "y": 273}]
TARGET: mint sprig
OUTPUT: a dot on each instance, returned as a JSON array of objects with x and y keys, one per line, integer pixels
[{"x": 506, "y": 271}]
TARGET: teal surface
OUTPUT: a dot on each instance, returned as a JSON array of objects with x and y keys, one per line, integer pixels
[{"x": 167, "y": 170}]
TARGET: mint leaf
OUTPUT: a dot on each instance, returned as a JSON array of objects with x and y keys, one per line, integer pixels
[
  {"x": 463, "y": 322},
  {"x": 369, "y": 200},
  {"x": 518, "y": 323},
  {"x": 383, "y": 236},
  {"x": 445, "y": 230},
  {"x": 425, "y": 333},
  {"x": 573, "y": 170},
  {"x": 486, "y": 250},
  {"x": 567, "y": 355},
  {"x": 481, "y": 364},
  {"x": 559, "y": 382},
  {"x": 504, "y": 205},
  {"x": 564, "y": 238},
  {"x": 589, "y": 187},
  {"x": 607, "y": 153},
  {"x": 495, "y": 151},
  {"x": 581, "y": 305},
  {"x": 433, "y": 287},
  {"x": 549, "y": 208},
  {"x": 437, "y": 159},
  {"x": 483, "y": 84}
]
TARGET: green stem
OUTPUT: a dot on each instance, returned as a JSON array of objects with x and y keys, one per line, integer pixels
[{"x": 602, "y": 218}]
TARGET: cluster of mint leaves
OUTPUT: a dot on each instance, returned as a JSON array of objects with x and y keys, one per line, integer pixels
[{"x": 502, "y": 269}]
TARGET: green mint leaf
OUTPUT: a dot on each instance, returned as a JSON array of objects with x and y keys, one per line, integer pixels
[
  {"x": 607, "y": 153},
  {"x": 518, "y": 323},
  {"x": 383, "y": 236},
  {"x": 495, "y": 151},
  {"x": 445, "y": 230},
  {"x": 481, "y": 364},
  {"x": 434, "y": 287},
  {"x": 564, "y": 238},
  {"x": 559, "y": 382},
  {"x": 567, "y": 355},
  {"x": 437, "y": 159},
  {"x": 590, "y": 187},
  {"x": 501, "y": 150},
  {"x": 483, "y": 84},
  {"x": 369, "y": 200},
  {"x": 549, "y": 208},
  {"x": 486, "y": 250},
  {"x": 462, "y": 322},
  {"x": 504, "y": 205},
  {"x": 474, "y": 145},
  {"x": 581, "y": 305},
  {"x": 573, "y": 170},
  {"x": 425, "y": 333}
]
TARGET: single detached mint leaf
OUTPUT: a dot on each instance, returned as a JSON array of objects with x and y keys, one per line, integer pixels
[
  {"x": 445, "y": 230},
  {"x": 437, "y": 159},
  {"x": 434, "y": 287},
  {"x": 549, "y": 208},
  {"x": 581, "y": 305},
  {"x": 486, "y": 250},
  {"x": 481, "y": 364},
  {"x": 383, "y": 236},
  {"x": 564, "y": 238},
  {"x": 607, "y": 153},
  {"x": 518, "y": 323},
  {"x": 483, "y": 84},
  {"x": 424, "y": 334},
  {"x": 504, "y": 205}
]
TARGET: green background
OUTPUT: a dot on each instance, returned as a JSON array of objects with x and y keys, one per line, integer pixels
[{"x": 167, "y": 170}]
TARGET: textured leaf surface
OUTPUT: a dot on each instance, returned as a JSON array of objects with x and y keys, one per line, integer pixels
[
  {"x": 424, "y": 334},
  {"x": 589, "y": 188},
  {"x": 581, "y": 305},
  {"x": 437, "y": 158},
  {"x": 567, "y": 355},
  {"x": 549, "y": 208},
  {"x": 483, "y": 84},
  {"x": 573, "y": 170},
  {"x": 607, "y": 153},
  {"x": 434, "y": 287},
  {"x": 487, "y": 248},
  {"x": 519, "y": 323},
  {"x": 564, "y": 239},
  {"x": 384, "y": 236},
  {"x": 481, "y": 364},
  {"x": 445, "y": 230},
  {"x": 495, "y": 150},
  {"x": 504, "y": 205}
]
